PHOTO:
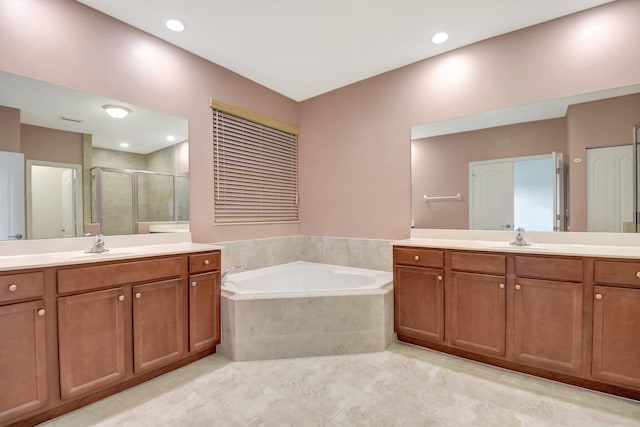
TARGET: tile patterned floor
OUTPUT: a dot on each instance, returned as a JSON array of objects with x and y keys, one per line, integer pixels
[{"x": 403, "y": 386}]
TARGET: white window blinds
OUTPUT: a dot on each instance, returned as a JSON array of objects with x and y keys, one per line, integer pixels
[{"x": 255, "y": 171}]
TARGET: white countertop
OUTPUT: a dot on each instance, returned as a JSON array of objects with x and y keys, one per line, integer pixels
[
  {"x": 606, "y": 251},
  {"x": 24, "y": 255},
  {"x": 592, "y": 244}
]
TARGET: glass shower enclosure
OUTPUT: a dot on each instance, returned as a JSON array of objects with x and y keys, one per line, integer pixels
[{"x": 121, "y": 199}]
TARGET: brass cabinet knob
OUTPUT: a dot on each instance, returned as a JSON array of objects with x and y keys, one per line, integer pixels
[
  {"x": 193, "y": 284},
  {"x": 518, "y": 287},
  {"x": 13, "y": 287},
  {"x": 417, "y": 258},
  {"x": 121, "y": 298},
  {"x": 439, "y": 277},
  {"x": 598, "y": 296},
  {"x": 206, "y": 262},
  {"x": 138, "y": 295},
  {"x": 41, "y": 312},
  {"x": 501, "y": 285}
]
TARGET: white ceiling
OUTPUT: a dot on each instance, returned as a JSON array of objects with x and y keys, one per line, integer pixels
[{"x": 304, "y": 48}]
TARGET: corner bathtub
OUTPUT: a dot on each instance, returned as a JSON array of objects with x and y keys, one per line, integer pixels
[{"x": 306, "y": 309}]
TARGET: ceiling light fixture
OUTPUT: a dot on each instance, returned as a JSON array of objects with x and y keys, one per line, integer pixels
[
  {"x": 124, "y": 144},
  {"x": 440, "y": 37},
  {"x": 171, "y": 138},
  {"x": 116, "y": 111},
  {"x": 175, "y": 25}
]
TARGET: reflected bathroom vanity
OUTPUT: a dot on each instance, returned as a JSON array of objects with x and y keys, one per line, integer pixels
[
  {"x": 77, "y": 327},
  {"x": 562, "y": 311}
]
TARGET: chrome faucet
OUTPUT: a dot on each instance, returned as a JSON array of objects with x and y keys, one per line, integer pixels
[
  {"x": 229, "y": 270},
  {"x": 98, "y": 245},
  {"x": 520, "y": 238}
]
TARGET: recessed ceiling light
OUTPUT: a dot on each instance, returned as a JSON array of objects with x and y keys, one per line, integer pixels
[
  {"x": 175, "y": 25},
  {"x": 116, "y": 111},
  {"x": 124, "y": 144},
  {"x": 440, "y": 37},
  {"x": 171, "y": 138}
]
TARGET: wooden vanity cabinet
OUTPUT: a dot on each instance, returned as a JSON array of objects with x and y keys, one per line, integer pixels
[
  {"x": 476, "y": 302},
  {"x": 616, "y": 335},
  {"x": 158, "y": 324},
  {"x": 93, "y": 326},
  {"x": 567, "y": 318},
  {"x": 616, "y": 323},
  {"x": 73, "y": 334},
  {"x": 91, "y": 341},
  {"x": 204, "y": 301},
  {"x": 419, "y": 293},
  {"x": 548, "y": 313},
  {"x": 23, "y": 359}
]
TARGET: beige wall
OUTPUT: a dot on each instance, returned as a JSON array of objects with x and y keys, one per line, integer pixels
[
  {"x": 51, "y": 145},
  {"x": 354, "y": 142},
  {"x": 595, "y": 124},
  {"x": 440, "y": 165},
  {"x": 9, "y": 129}
]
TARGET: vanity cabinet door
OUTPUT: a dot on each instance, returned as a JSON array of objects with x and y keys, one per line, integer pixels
[
  {"x": 23, "y": 362},
  {"x": 548, "y": 325},
  {"x": 91, "y": 341},
  {"x": 419, "y": 303},
  {"x": 204, "y": 311},
  {"x": 616, "y": 336},
  {"x": 477, "y": 312},
  {"x": 158, "y": 324}
]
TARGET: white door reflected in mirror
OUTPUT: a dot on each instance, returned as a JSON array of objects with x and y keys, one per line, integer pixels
[
  {"x": 53, "y": 200},
  {"x": 515, "y": 192},
  {"x": 610, "y": 189},
  {"x": 11, "y": 196}
]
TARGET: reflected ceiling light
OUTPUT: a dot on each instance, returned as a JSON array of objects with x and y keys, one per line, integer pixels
[
  {"x": 116, "y": 111},
  {"x": 175, "y": 25},
  {"x": 124, "y": 144},
  {"x": 440, "y": 37},
  {"x": 171, "y": 138}
]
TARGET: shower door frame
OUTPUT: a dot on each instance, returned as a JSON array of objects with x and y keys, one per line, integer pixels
[{"x": 134, "y": 182}]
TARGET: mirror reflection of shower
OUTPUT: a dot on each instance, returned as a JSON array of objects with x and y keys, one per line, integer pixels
[{"x": 131, "y": 201}]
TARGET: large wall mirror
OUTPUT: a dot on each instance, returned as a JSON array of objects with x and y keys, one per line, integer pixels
[
  {"x": 68, "y": 167},
  {"x": 560, "y": 165}
]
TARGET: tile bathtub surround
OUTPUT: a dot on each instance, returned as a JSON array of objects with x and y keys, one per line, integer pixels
[
  {"x": 403, "y": 386},
  {"x": 362, "y": 253},
  {"x": 275, "y": 328}
]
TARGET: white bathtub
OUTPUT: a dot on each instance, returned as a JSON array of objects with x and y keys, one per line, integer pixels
[
  {"x": 305, "y": 309},
  {"x": 302, "y": 277}
]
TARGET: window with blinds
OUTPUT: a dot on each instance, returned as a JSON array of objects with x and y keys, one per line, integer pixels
[{"x": 255, "y": 170}]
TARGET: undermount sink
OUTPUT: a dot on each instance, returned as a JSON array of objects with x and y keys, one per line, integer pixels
[
  {"x": 504, "y": 245},
  {"x": 90, "y": 255}
]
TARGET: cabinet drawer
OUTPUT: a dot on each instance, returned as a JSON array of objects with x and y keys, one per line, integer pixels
[
  {"x": 617, "y": 272},
  {"x": 204, "y": 262},
  {"x": 553, "y": 268},
  {"x": 478, "y": 263},
  {"x": 101, "y": 276},
  {"x": 21, "y": 286},
  {"x": 419, "y": 257}
]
